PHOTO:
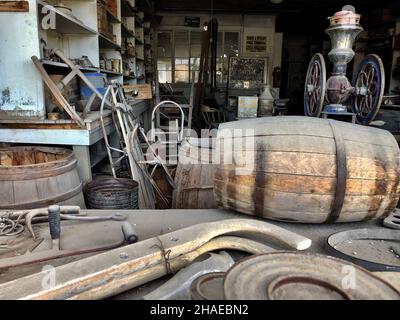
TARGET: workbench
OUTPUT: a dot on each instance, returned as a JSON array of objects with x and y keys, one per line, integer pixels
[{"x": 66, "y": 132}]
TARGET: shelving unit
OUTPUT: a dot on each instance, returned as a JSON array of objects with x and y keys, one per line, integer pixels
[{"x": 101, "y": 30}]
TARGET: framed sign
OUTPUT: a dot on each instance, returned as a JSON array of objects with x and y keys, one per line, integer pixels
[
  {"x": 247, "y": 72},
  {"x": 193, "y": 22}
]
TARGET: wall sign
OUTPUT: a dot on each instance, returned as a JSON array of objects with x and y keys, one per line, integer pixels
[{"x": 193, "y": 22}]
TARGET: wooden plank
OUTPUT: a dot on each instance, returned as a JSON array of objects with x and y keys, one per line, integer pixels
[
  {"x": 322, "y": 165},
  {"x": 56, "y": 92},
  {"x": 66, "y": 126},
  {"x": 45, "y": 136},
  {"x": 301, "y": 184},
  {"x": 302, "y": 202},
  {"x": 14, "y": 6}
]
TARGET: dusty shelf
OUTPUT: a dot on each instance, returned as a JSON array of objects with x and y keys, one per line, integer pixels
[{"x": 69, "y": 25}]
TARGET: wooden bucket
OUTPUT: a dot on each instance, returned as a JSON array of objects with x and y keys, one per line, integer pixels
[
  {"x": 194, "y": 175},
  {"x": 304, "y": 169},
  {"x": 34, "y": 177}
]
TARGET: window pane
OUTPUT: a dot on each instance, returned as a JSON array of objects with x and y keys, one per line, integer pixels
[
  {"x": 228, "y": 46},
  {"x": 231, "y": 44},
  {"x": 182, "y": 75},
  {"x": 164, "y": 63},
  {"x": 194, "y": 63},
  {"x": 181, "y": 44},
  {"x": 181, "y": 64},
  {"x": 220, "y": 41},
  {"x": 195, "y": 44},
  {"x": 164, "y": 44},
  {"x": 164, "y": 76}
]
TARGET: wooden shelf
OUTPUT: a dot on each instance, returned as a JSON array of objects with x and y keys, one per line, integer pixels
[
  {"x": 127, "y": 10},
  {"x": 109, "y": 72},
  {"x": 128, "y": 56},
  {"x": 110, "y": 16},
  {"x": 138, "y": 22},
  {"x": 63, "y": 65},
  {"x": 67, "y": 24},
  {"x": 106, "y": 43},
  {"x": 130, "y": 77},
  {"x": 125, "y": 32}
]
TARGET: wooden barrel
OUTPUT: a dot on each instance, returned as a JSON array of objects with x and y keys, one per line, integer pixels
[
  {"x": 34, "y": 177},
  {"x": 305, "y": 169},
  {"x": 194, "y": 175}
]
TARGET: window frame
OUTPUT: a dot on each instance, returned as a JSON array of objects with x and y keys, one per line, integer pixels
[{"x": 173, "y": 56}]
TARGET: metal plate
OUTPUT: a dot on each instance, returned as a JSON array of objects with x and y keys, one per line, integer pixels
[
  {"x": 209, "y": 286},
  {"x": 393, "y": 220},
  {"x": 292, "y": 275},
  {"x": 374, "y": 249},
  {"x": 315, "y": 86},
  {"x": 369, "y": 84}
]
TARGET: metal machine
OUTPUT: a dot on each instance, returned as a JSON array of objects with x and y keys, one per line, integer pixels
[{"x": 366, "y": 90}]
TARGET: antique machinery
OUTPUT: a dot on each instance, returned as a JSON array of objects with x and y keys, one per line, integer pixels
[{"x": 368, "y": 85}]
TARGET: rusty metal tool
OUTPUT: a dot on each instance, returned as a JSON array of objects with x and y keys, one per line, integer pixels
[
  {"x": 129, "y": 236},
  {"x": 107, "y": 274}
]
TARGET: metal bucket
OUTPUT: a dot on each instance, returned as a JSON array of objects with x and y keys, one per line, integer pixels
[{"x": 112, "y": 193}]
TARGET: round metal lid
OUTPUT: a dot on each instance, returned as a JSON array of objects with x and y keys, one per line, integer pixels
[
  {"x": 293, "y": 275},
  {"x": 209, "y": 286}
]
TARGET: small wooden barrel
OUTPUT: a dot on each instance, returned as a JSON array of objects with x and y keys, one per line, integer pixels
[
  {"x": 35, "y": 177},
  {"x": 194, "y": 175},
  {"x": 304, "y": 169}
]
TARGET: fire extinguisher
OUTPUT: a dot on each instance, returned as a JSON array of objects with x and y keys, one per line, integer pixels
[{"x": 276, "y": 75}]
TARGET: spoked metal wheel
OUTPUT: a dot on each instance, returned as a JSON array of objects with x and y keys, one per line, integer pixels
[
  {"x": 314, "y": 88},
  {"x": 369, "y": 85}
]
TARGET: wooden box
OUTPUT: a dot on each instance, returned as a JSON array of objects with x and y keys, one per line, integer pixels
[{"x": 144, "y": 90}]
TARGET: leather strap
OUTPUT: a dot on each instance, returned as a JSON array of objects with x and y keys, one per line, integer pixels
[{"x": 341, "y": 174}]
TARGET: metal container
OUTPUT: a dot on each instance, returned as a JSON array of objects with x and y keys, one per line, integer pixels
[
  {"x": 265, "y": 103},
  {"x": 113, "y": 193}
]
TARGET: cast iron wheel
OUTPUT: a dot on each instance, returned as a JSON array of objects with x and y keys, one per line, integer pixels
[
  {"x": 369, "y": 85},
  {"x": 314, "y": 88}
]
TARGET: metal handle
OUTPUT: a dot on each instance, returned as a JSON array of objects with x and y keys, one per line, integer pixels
[
  {"x": 180, "y": 136},
  {"x": 54, "y": 221}
]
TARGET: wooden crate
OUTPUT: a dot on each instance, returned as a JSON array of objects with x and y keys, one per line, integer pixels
[{"x": 144, "y": 90}]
